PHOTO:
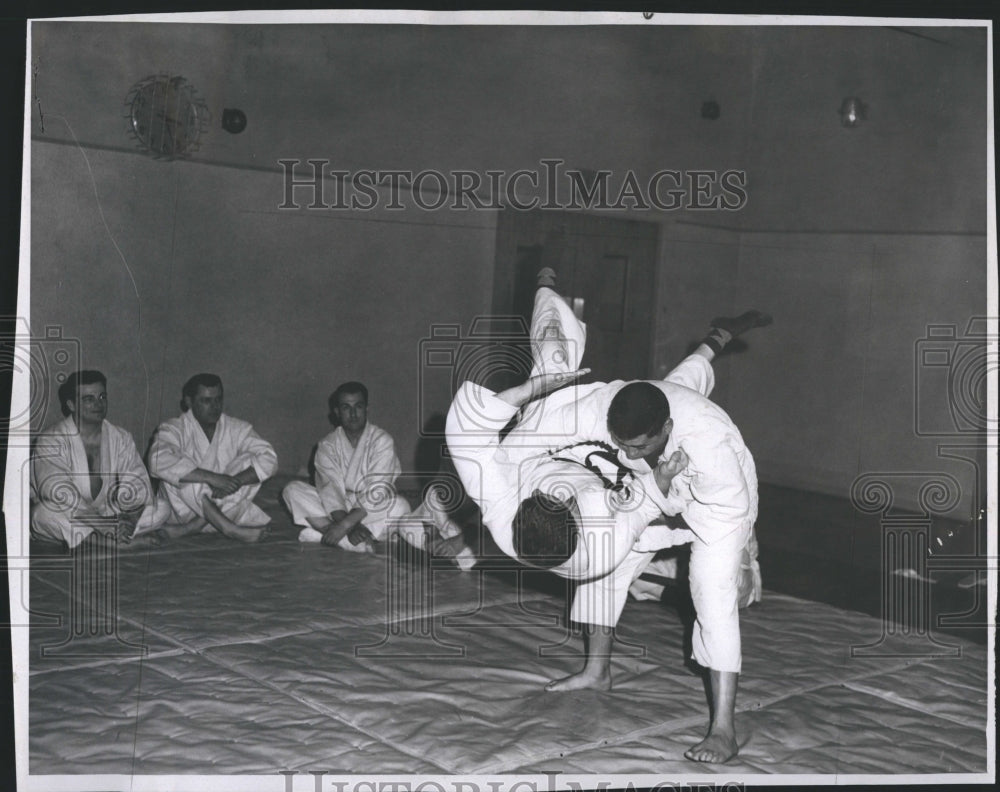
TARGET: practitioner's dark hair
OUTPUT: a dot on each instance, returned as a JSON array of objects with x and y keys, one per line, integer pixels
[
  {"x": 202, "y": 380},
  {"x": 638, "y": 410},
  {"x": 69, "y": 391},
  {"x": 343, "y": 390},
  {"x": 545, "y": 532}
]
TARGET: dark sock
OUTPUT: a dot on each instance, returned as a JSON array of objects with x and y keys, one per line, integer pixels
[
  {"x": 737, "y": 325},
  {"x": 716, "y": 339}
]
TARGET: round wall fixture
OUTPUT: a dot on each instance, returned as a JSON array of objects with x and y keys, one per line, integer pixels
[
  {"x": 166, "y": 115},
  {"x": 710, "y": 110},
  {"x": 234, "y": 120}
]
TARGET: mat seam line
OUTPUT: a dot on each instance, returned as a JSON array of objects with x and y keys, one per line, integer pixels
[
  {"x": 320, "y": 709},
  {"x": 909, "y": 704},
  {"x": 111, "y": 661},
  {"x": 679, "y": 723},
  {"x": 180, "y": 644}
]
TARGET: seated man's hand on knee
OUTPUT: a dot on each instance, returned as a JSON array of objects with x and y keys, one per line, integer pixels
[
  {"x": 125, "y": 524},
  {"x": 105, "y": 526}
]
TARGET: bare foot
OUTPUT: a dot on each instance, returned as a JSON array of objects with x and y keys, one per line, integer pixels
[
  {"x": 225, "y": 526},
  {"x": 244, "y": 533},
  {"x": 717, "y": 748},
  {"x": 183, "y": 529},
  {"x": 581, "y": 681},
  {"x": 146, "y": 540},
  {"x": 432, "y": 510},
  {"x": 447, "y": 548}
]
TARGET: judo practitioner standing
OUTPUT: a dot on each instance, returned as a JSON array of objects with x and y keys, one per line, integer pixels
[
  {"x": 716, "y": 493},
  {"x": 715, "y": 490}
]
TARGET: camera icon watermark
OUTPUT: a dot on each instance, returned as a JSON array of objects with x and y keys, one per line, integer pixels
[
  {"x": 496, "y": 353},
  {"x": 951, "y": 371},
  {"x": 42, "y": 362}
]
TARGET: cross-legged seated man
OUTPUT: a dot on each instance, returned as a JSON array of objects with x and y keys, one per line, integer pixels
[
  {"x": 86, "y": 474},
  {"x": 354, "y": 502},
  {"x": 211, "y": 466}
]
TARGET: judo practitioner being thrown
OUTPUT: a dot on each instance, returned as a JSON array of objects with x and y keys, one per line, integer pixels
[
  {"x": 501, "y": 475},
  {"x": 354, "y": 502},
  {"x": 689, "y": 459},
  {"x": 211, "y": 466},
  {"x": 86, "y": 474}
]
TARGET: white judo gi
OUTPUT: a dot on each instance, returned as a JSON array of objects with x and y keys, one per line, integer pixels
[
  {"x": 499, "y": 475},
  {"x": 60, "y": 483},
  {"x": 349, "y": 477},
  {"x": 716, "y": 494},
  {"x": 180, "y": 446}
]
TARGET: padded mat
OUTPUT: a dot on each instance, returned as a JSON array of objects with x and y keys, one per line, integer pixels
[{"x": 208, "y": 657}]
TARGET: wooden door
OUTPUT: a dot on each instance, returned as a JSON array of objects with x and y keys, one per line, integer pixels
[{"x": 607, "y": 263}]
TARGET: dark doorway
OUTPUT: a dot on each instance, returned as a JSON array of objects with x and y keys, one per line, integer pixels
[{"x": 605, "y": 266}]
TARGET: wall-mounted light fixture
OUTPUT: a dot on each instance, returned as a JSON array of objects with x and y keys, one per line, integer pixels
[
  {"x": 852, "y": 112},
  {"x": 234, "y": 120},
  {"x": 166, "y": 115}
]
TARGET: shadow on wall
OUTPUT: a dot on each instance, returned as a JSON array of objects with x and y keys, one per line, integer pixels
[
  {"x": 433, "y": 465},
  {"x": 334, "y": 418},
  {"x": 431, "y": 452}
]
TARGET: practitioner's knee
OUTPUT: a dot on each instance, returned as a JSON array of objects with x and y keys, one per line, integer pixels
[
  {"x": 186, "y": 500},
  {"x": 156, "y": 513},
  {"x": 716, "y": 637},
  {"x": 302, "y": 501},
  {"x": 413, "y": 534},
  {"x": 56, "y": 525}
]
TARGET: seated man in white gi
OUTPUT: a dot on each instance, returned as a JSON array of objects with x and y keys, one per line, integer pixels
[
  {"x": 86, "y": 475},
  {"x": 211, "y": 466},
  {"x": 354, "y": 502}
]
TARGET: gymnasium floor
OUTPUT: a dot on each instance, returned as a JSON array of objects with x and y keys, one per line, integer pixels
[{"x": 227, "y": 659}]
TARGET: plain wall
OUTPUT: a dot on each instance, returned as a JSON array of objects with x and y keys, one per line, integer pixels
[
  {"x": 163, "y": 269},
  {"x": 838, "y": 387},
  {"x": 855, "y": 239},
  {"x": 282, "y": 304}
]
